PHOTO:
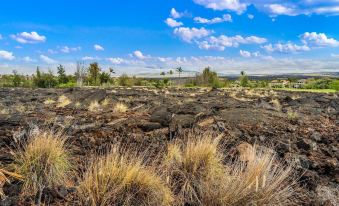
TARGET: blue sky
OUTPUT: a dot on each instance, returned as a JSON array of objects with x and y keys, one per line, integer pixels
[{"x": 136, "y": 37}]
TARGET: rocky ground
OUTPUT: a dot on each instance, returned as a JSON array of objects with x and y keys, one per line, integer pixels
[{"x": 301, "y": 127}]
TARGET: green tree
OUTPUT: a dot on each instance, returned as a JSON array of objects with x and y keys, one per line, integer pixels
[
  {"x": 62, "y": 77},
  {"x": 244, "y": 82},
  {"x": 105, "y": 77},
  {"x": 94, "y": 73},
  {"x": 16, "y": 79},
  {"x": 171, "y": 72},
  {"x": 179, "y": 70}
]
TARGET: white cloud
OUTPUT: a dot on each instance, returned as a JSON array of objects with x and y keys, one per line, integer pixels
[
  {"x": 97, "y": 47},
  {"x": 88, "y": 58},
  {"x": 250, "y": 16},
  {"x": 6, "y": 55},
  {"x": 245, "y": 54},
  {"x": 28, "y": 38},
  {"x": 225, "y": 18},
  {"x": 189, "y": 34},
  {"x": 276, "y": 7},
  {"x": 28, "y": 59},
  {"x": 66, "y": 49},
  {"x": 279, "y": 9},
  {"x": 335, "y": 55},
  {"x": 173, "y": 23},
  {"x": 286, "y": 48},
  {"x": 47, "y": 60},
  {"x": 116, "y": 60},
  {"x": 232, "y": 5},
  {"x": 221, "y": 42},
  {"x": 175, "y": 14},
  {"x": 1, "y": 37},
  {"x": 318, "y": 39},
  {"x": 139, "y": 55},
  {"x": 248, "y": 54}
]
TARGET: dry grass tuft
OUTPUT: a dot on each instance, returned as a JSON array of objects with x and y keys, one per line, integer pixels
[
  {"x": 44, "y": 162},
  {"x": 277, "y": 105},
  {"x": 49, "y": 101},
  {"x": 292, "y": 115},
  {"x": 197, "y": 175},
  {"x": 105, "y": 102},
  {"x": 120, "y": 108},
  {"x": 194, "y": 171},
  {"x": 122, "y": 180},
  {"x": 63, "y": 101},
  {"x": 261, "y": 180},
  {"x": 94, "y": 106}
]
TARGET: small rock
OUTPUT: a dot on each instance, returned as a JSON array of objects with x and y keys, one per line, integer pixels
[{"x": 302, "y": 144}]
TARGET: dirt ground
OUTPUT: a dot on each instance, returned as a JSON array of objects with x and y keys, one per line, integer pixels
[{"x": 301, "y": 127}]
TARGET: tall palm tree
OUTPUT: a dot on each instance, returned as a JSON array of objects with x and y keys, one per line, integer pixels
[{"x": 179, "y": 70}]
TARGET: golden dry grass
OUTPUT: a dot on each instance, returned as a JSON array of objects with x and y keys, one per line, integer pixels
[
  {"x": 276, "y": 103},
  {"x": 43, "y": 162},
  {"x": 194, "y": 170},
  {"x": 120, "y": 108},
  {"x": 63, "y": 101},
  {"x": 49, "y": 101},
  {"x": 261, "y": 180},
  {"x": 94, "y": 106},
  {"x": 122, "y": 180},
  {"x": 197, "y": 176}
]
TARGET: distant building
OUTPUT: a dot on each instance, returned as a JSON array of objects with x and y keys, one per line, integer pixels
[
  {"x": 279, "y": 83},
  {"x": 300, "y": 83}
]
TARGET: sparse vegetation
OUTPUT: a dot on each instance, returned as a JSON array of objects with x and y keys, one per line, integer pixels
[
  {"x": 43, "y": 162},
  {"x": 123, "y": 179},
  {"x": 292, "y": 115},
  {"x": 195, "y": 171},
  {"x": 63, "y": 101},
  {"x": 120, "y": 108},
  {"x": 94, "y": 106}
]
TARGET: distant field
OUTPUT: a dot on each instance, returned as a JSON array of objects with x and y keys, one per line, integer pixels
[{"x": 308, "y": 90}]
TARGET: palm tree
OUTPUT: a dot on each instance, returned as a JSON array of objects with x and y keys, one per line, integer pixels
[{"x": 179, "y": 70}]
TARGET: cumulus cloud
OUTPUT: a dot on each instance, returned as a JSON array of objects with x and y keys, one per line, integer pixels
[
  {"x": 189, "y": 34},
  {"x": 224, "y": 18},
  {"x": 28, "y": 59},
  {"x": 47, "y": 60},
  {"x": 232, "y": 5},
  {"x": 279, "y": 9},
  {"x": 223, "y": 41},
  {"x": 173, "y": 23},
  {"x": 276, "y": 7},
  {"x": 286, "y": 48},
  {"x": 66, "y": 49},
  {"x": 318, "y": 39},
  {"x": 88, "y": 58},
  {"x": 250, "y": 16},
  {"x": 139, "y": 55},
  {"x": 28, "y": 37},
  {"x": 175, "y": 14},
  {"x": 97, "y": 47},
  {"x": 6, "y": 55},
  {"x": 115, "y": 60}
]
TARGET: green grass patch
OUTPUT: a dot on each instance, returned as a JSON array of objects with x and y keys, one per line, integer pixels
[{"x": 308, "y": 90}]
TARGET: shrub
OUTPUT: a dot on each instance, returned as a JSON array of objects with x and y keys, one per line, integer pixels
[
  {"x": 122, "y": 180},
  {"x": 43, "y": 161},
  {"x": 194, "y": 172}
]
